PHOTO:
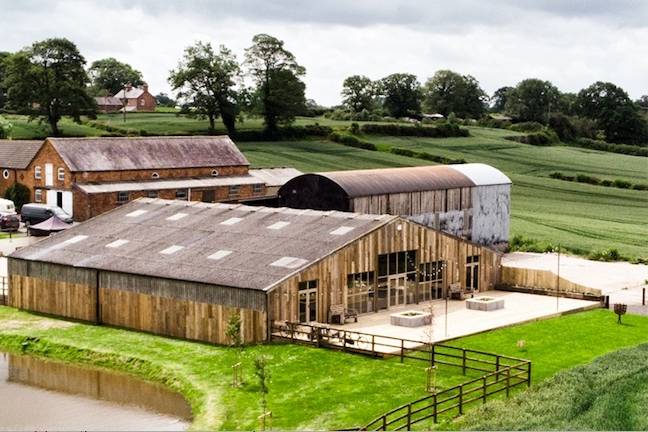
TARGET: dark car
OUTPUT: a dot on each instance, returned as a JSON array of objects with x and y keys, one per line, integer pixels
[
  {"x": 9, "y": 222},
  {"x": 33, "y": 214}
]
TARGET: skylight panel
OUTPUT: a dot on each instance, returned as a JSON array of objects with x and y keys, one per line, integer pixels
[
  {"x": 136, "y": 213},
  {"x": 289, "y": 262},
  {"x": 75, "y": 239},
  {"x": 171, "y": 250},
  {"x": 231, "y": 221},
  {"x": 117, "y": 243},
  {"x": 278, "y": 225},
  {"x": 177, "y": 216},
  {"x": 342, "y": 230},
  {"x": 219, "y": 254}
]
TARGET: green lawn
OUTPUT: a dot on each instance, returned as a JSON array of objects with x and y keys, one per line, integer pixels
[
  {"x": 25, "y": 129},
  {"x": 310, "y": 388}
]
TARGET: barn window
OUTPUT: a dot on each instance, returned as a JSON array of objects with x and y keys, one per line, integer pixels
[
  {"x": 307, "y": 301},
  {"x": 122, "y": 196},
  {"x": 181, "y": 194},
  {"x": 257, "y": 188},
  {"x": 278, "y": 225},
  {"x": 341, "y": 230},
  {"x": 117, "y": 243},
  {"x": 152, "y": 194},
  {"x": 5, "y": 174},
  {"x": 234, "y": 191},
  {"x": 360, "y": 291},
  {"x": 177, "y": 216},
  {"x": 61, "y": 174},
  {"x": 38, "y": 195},
  {"x": 219, "y": 255},
  {"x": 155, "y": 175},
  {"x": 231, "y": 221},
  {"x": 38, "y": 173},
  {"x": 171, "y": 250}
]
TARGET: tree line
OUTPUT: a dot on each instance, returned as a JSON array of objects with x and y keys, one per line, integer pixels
[{"x": 48, "y": 80}]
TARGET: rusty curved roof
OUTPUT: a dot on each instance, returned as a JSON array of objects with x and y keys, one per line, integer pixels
[
  {"x": 359, "y": 183},
  {"x": 136, "y": 153}
]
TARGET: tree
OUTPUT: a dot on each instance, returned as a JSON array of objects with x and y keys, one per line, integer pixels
[
  {"x": 401, "y": 95},
  {"x": 642, "y": 102},
  {"x": 3, "y": 67},
  {"x": 48, "y": 80},
  {"x": 499, "y": 98},
  {"x": 279, "y": 93},
  {"x": 358, "y": 93},
  {"x": 108, "y": 76},
  {"x": 164, "y": 100},
  {"x": 205, "y": 83},
  {"x": 5, "y": 128},
  {"x": 532, "y": 100},
  {"x": 613, "y": 110},
  {"x": 448, "y": 92},
  {"x": 19, "y": 194},
  {"x": 263, "y": 377}
]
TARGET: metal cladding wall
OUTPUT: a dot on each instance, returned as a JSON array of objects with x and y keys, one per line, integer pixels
[
  {"x": 161, "y": 306},
  {"x": 491, "y": 214}
]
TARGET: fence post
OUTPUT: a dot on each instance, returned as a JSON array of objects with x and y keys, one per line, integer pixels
[
  {"x": 484, "y": 387},
  {"x": 373, "y": 345},
  {"x": 461, "y": 399},
  {"x": 497, "y": 366},
  {"x": 435, "y": 408},
  {"x": 409, "y": 417},
  {"x": 529, "y": 374},
  {"x": 463, "y": 361},
  {"x": 402, "y": 350},
  {"x": 384, "y": 425},
  {"x": 433, "y": 354},
  {"x": 508, "y": 381}
]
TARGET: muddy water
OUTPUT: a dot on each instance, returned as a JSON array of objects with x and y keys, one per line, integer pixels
[{"x": 43, "y": 395}]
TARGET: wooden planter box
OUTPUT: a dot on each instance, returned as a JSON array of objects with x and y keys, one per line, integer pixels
[
  {"x": 485, "y": 303},
  {"x": 410, "y": 319}
]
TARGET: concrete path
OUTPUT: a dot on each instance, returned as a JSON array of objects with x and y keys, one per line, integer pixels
[{"x": 461, "y": 321}]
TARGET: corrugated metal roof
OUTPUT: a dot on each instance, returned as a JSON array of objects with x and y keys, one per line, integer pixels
[
  {"x": 482, "y": 174},
  {"x": 17, "y": 154},
  {"x": 201, "y": 234},
  {"x": 275, "y": 176},
  {"x": 169, "y": 184},
  {"x": 135, "y": 153},
  {"x": 368, "y": 182}
]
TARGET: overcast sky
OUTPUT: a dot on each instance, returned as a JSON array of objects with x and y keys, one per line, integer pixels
[{"x": 571, "y": 43}]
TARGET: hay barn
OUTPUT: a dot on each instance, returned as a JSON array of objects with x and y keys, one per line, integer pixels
[
  {"x": 467, "y": 200},
  {"x": 182, "y": 268}
]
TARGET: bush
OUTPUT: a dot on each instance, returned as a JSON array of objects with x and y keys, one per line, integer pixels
[
  {"x": 426, "y": 156},
  {"x": 529, "y": 126},
  {"x": 5, "y": 128},
  {"x": 442, "y": 130},
  {"x": 493, "y": 123},
  {"x": 582, "y": 178},
  {"x": 622, "y": 184},
  {"x": 19, "y": 194},
  {"x": 605, "y": 255},
  {"x": 284, "y": 133},
  {"x": 562, "y": 125},
  {"x": 351, "y": 141},
  {"x": 544, "y": 138},
  {"x": 613, "y": 148}
]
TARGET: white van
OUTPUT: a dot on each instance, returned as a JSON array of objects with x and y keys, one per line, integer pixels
[{"x": 7, "y": 206}]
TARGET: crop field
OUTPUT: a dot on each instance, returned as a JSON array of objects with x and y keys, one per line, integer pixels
[{"x": 580, "y": 217}]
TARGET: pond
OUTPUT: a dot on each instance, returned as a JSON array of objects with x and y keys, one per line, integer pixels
[{"x": 38, "y": 394}]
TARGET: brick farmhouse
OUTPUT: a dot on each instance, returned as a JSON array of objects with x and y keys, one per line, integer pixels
[
  {"x": 132, "y": 98},
  {"x": 89, "y": 176}
]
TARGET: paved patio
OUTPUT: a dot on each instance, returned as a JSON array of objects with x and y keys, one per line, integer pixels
[{"x": 518, "y": 308}]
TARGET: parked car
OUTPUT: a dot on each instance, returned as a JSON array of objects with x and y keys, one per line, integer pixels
[
  {"x": 9, "y": 219},
  {"x": 33, "y": 214}
]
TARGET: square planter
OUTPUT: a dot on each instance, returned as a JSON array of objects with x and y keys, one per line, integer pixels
[
  {"x": 410, "y": 319},
  {"x": 485, "y": 303}
]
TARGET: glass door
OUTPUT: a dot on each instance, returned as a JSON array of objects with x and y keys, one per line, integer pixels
[
  {"x": 397, "y": 286},
  {"x": 308, "y": 301}
]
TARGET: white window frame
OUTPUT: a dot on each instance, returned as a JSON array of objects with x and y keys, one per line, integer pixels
[
  {"x": 38, "y": 195},
  {"x": 5, "y": 174},
  {"x": 38, "y": 172},
  {"x": 60, "y": 174}
]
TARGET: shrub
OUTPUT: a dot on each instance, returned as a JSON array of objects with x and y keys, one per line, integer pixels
[
  {"x": 287, "y": 132},
  {"x": 441, "y": 130},
  {"x": 494, "y": 123},
  {"x": 529, "y": 126},
  {"x": 351, "y": 141},
  {"x": 535, "y": 139},
  {"x": 622, "y": 184},
  {"x": 426, "y": 156},
  {"x": 19, "y": 194},
  {"x": 613, "y": 148},
  {"x": 582, "y": 178},
  {"x": 562, "y": 125},
  {"x": 605, "y": 255}
]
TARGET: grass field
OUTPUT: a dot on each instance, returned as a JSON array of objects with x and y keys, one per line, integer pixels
[
  {"x": 310, "y": 388},
  {"x": 609, "y": 394},
  {"x": 581, "y": 217}
]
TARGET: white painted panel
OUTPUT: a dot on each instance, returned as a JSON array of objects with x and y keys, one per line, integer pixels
[
  {"x": 67, "y": 202},
  {"x": 49, "y": 175},
  {"x": 51, "y": 197}
]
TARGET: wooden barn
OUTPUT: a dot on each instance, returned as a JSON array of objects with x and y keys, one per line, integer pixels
[
  {"x": 467, "y": 200},
  {"x": 182, "y": 268}
]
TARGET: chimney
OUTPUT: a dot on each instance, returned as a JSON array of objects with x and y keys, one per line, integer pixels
[
  {"x": 129, "y": 87},
  {"x": 145, "y": 87}
]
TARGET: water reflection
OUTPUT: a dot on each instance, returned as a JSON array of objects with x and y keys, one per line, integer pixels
[{"x": 39, "y": 394}]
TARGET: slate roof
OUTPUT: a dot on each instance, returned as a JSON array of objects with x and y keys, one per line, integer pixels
[
  {"x": 132, "y": 93},
  {"x": 136, "y": 153},
  {"x": 162, "y": 184},
  {"x": 134, "y": 238},
  {"x": 17, "y": 154}
]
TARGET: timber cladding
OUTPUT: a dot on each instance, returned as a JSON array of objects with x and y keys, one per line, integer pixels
[
  {"x": 156, "y": 305},
  {"x": 332, "y": 271}
]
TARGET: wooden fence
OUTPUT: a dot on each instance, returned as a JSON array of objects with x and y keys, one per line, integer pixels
[
  {"x": 545, "y": 281},
  {"x": 502, "y": 373}
]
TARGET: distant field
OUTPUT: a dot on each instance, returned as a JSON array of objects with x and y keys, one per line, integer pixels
[{"x": 578, "y": 216}]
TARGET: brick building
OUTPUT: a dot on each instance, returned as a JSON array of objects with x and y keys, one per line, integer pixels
[
  {"x": 89, "y": 176},
  {"x": 15, "y": 157},
  {"x": 136, "y": 99}
]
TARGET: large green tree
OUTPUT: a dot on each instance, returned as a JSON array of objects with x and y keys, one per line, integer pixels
[
  {"x": 279, "y": 93},
  {"x": 499, "y": 98},
  {"x": 613, "y": 110},
  {"x": 108, "y": 76},
  {"x": 48, "y": 81},
  {"x": 448, "y": 92},
  {"x": 3, "y": 57},
  {"x": 532, "y": 100},
  {"x": 401, "y": 95},
  {"x": 358, "y": 93},
  {"x": 205, "y": 82}
]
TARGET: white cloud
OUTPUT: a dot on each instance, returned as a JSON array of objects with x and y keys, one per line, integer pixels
[{"x": 500, "y": 43}]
